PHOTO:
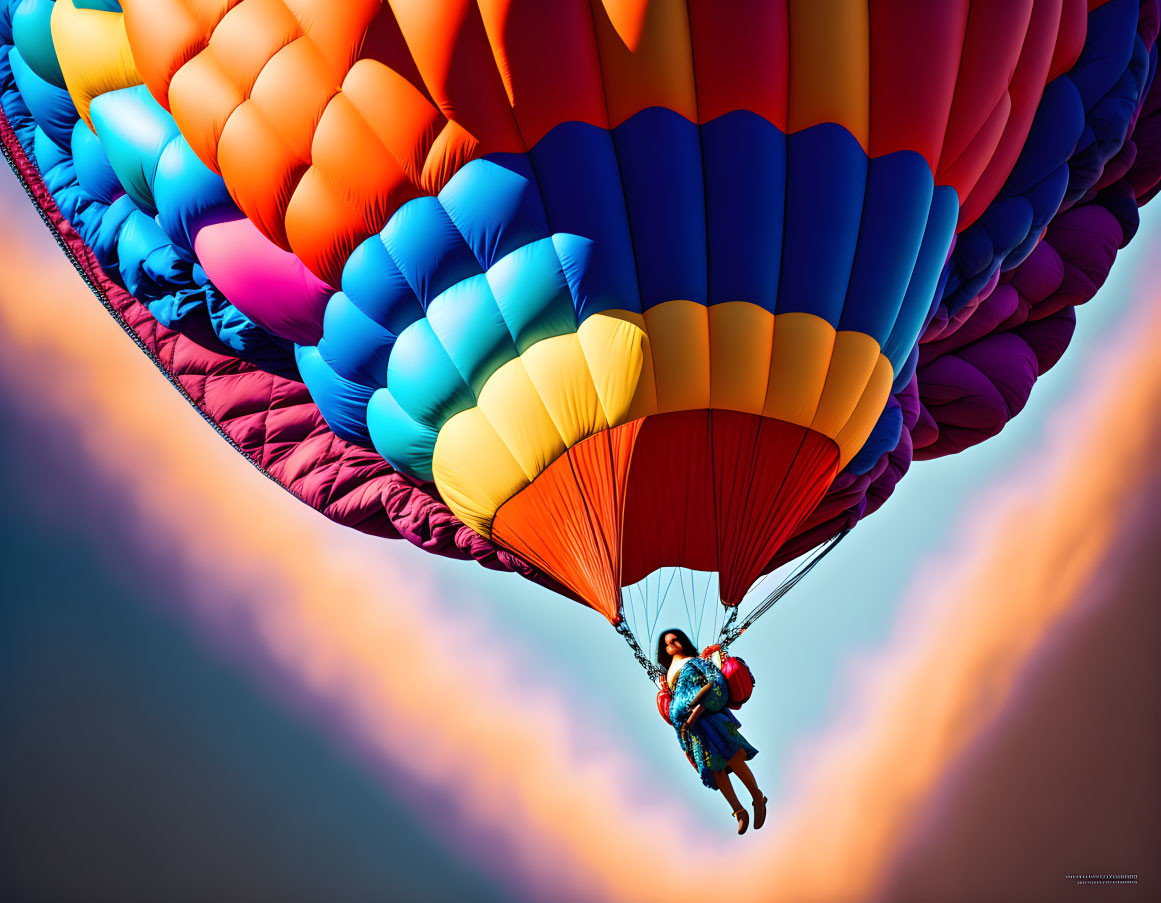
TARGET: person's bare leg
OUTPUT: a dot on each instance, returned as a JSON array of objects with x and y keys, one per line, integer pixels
[
  {"x": 742, "y": 770},
  {"x": 727, "y": 788}
]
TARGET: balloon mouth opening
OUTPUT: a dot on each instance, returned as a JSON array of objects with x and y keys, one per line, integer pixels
[
  {"x": 675, "y": 597},
  {"x": 706, "y": 490}
]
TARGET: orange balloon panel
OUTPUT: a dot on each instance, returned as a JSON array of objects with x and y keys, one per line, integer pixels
[{"x": 708, "y": 490}]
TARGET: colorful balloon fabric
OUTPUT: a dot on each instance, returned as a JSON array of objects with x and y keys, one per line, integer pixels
[{"x": 584, "y": 289}]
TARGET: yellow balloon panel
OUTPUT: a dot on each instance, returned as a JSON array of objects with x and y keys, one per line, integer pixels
[
  {"x": 852, "y": 363},
  {"x": 474, "y": 470},
  {"x": 679, "y": 335},
  {"x": 516, "y": 412},
  {"x": 741, "y": 342},
  {"x": 622, "y": 366},
  {"x": 799, "y": 362}
]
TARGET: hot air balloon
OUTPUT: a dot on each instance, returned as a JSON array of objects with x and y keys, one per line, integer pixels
[{"x": 588, "y": 290}]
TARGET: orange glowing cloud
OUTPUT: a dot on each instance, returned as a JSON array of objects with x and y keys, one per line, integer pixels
[{"x": 330, "y": 607}]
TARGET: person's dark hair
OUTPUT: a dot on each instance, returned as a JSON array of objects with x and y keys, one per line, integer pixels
[{"x": 664, "y": 658}]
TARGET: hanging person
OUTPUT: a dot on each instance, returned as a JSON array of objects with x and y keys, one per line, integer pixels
[{"x": 706, "y": 729}]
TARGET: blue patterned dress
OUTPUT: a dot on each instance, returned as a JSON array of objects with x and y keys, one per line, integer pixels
[{"x": 714, "y": 739}]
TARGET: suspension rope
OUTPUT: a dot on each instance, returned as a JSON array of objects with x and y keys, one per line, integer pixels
[
  {"x": 729, "y": 634},
  {"x": 651, "y": 668},
  {"x": 727, "y": 626}
]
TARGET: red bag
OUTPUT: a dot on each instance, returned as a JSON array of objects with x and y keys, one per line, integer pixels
[
  {"x": 664, "y": 700},
  {"x": 740, "y": 680}
]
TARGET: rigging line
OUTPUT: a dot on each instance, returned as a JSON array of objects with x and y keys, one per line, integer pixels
[
  {"x": 689, "y": 602},
  {"x": 595, "y": 532},
  {"x": 700, "y": 605},
  {"x": 724, "y": 638},
  {"x": 762, "y": 581},
  {"x": 743, "y": 548},
  {"x": 614, "y": 554},
  {"x": 780, "y": 506},
  {"x": 783, "y": 588},
  {"x": 766, "y": 580},
  {"x": 792, "y": 581},
  {"x": 650, "y": 600},
  {"x": 642, "y": 626},
  {"x": 729, "y": 635},
  {"x": 649, "y": 597},
  {"x": 654, "y": 608},
  {"x": 698, "y": 609},
  {"x": 642, "y": 601},
  {"x": 691, "y": 613},
  {"x": 652, "y": 669},
  {"x": 629, "y": 606},
  {"x": 644, "y": 604},
  {"x": 663, "y": 600},
  {"x": 717, "y": 604}
]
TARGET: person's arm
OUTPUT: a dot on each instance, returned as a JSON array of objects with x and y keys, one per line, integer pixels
[{"x": 696, "y": 710}]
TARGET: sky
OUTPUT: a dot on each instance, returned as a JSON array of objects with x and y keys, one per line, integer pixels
[{"x": 209, "y": 690}]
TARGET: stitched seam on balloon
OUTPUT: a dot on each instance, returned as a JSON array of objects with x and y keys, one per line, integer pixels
[
  {"x": 701, "y": 159},
  {"x": 539, "y": 195},
  {"x": 547, "y": 414},
  {"x": 890, "y": 331},
  {"x": 935, "y": 168},
  {"x": 847, "y": 292},
  {"x": 200, "y": 42},
  {"x": 1006, "y": 93},
  {"x": 296, "y": 178},
  {"x": 370, "y": 226},
  {"x": 1065, "y": 205},
  {"x": 484, "y": 271},
  {"x": 447, "y": 122},
  {"x": 245, "y": 89},
  {"x": 447, "y": 119},
  {"x": 704, "y": 190},
  {"x": 617, "y": 159},
  {"x": 938, "y": 161},
  {"x": 1006, "y": 136}
]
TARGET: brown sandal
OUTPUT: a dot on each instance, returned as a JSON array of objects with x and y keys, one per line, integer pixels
[
  {"x": 743, "y": 818},
  {"x": 760, "y": 812}
]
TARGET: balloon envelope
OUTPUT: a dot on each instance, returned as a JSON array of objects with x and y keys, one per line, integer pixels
[{"x": 586, "y": 289}]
